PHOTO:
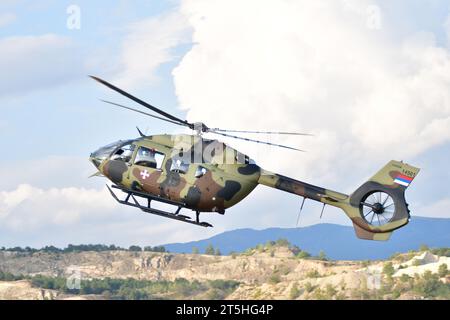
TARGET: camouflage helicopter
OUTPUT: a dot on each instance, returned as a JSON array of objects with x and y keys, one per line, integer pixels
[{"x": 203, "y": 175}]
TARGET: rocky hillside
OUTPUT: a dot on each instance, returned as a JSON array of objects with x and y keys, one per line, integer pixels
[
  {"x": 329, "y": 238},
  {"x": 264, "y": 272}
]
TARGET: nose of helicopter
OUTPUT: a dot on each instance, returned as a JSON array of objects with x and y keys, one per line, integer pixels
[
  {"x": 101, "y": 154},
  {"x": 95, "y": 160}
]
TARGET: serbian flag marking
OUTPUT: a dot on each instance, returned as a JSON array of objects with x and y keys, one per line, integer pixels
[{"x": 403, "y": 180}]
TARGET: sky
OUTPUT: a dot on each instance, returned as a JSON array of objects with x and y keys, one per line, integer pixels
[{"x": 370, "y": 79}]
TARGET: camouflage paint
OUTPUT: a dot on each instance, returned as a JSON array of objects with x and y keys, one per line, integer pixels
[{"x": 225, "y": 184}]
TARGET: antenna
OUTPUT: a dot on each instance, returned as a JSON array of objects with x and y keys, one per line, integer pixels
[
  {"x": 301, "y": 208},
  {"x": 322, "y": 210}
]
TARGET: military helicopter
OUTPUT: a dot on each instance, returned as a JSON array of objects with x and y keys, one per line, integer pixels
[{"x": 202, "y": 175}]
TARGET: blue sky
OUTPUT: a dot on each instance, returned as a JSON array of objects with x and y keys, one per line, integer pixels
[
  {"x": 68, "y": 111},
  {"x": 52, "y": 118}
]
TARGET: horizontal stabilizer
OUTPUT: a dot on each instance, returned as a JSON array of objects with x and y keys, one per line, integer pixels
[{"x": 367, "y": 235}]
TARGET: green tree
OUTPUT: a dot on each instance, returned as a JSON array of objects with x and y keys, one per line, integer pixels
[
  {"x": 322, "y": 255},
  {"x": 417, "y": 262},
  {"x": 217, "y": 252},
  {"x": 394, "y": 256},
  {"x": 430, "y": 286},
  {"x": 274, "y": 278},
  {"x": 214, "y": 294},
  {"x": 303, "y": 255},
  {"x": 330, "y": 291},
  {"x": 209, "y": 250},
  {"x": 282, "y": 243},
  {"x": 320, "y": 294},
  {"x": 404, "y": 278},
  {"x": 309, "y": 287},
  {"x": 270, "y": 244},
  {"x": 445, "y": 252},
  {"x": 313, "y": 274},
  {"x": 295, "y": 249},
  {"x": 47, "y": 249},
  {"x": 424, "y": 247},
  {"x": 388, "y": 269},
  {"x": 396, "y": 293},
  {"x": 135, "y": 248},
  {"x": 159, "y": 249},
  {"x": 365, "y": 263},
  {"x": 443, "y": 270},
  {"x": 294, "y": 292},
  {"x": 195, "y": 250}
]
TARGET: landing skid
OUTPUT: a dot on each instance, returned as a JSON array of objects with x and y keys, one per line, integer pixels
[{"x": 133, "y": 195}]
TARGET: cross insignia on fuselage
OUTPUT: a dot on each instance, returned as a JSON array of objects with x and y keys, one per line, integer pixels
[{"x": 145, "y": 174}]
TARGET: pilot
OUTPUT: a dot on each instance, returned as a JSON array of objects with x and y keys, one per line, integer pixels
[
  {"x": 126, "y": 155},
  {"x": 123, "y": 154},
  {"x": 147, "y": 158}
]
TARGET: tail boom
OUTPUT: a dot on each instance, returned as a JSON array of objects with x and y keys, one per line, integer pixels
[
  {"x": 300, "y": 188},
  {"x": 376, "y": 208}
]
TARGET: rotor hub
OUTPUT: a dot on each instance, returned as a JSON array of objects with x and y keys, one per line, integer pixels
[
  {"x": 378, "y": 208},
  {"x": 200, "y": 128}
]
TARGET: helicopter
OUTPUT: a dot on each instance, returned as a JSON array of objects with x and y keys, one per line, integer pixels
[{"x": 204, "y": 175}]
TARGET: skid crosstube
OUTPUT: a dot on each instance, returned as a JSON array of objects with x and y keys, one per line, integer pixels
[{"x": 131, "y": 194}]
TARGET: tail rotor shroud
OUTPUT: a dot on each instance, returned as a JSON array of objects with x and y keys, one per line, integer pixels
[{"x": 377, "y": 208}]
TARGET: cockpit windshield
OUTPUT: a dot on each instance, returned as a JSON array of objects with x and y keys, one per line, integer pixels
[{"x": 104, "y": 152}]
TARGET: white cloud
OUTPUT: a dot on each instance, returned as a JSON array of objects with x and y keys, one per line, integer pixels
[
  {"x": 438, "y": 209},
  {"x": 34, "y": 62},
  {"x": 52, "y": 201},
  {"x": 315, "y": 67},
  {"x": 6, "y": 19},
  {"x": 320, "y": 67},
  {"x": 51, "y": 171},
  {"x": 29, "y": 207},
  {"x": 59, "y": 216},
  {"x": 149, "y": 44}
]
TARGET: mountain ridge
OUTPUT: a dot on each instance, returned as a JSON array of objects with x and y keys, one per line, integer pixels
[{"x": 330, "y": 238}]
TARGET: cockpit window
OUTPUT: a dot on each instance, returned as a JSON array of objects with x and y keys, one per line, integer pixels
[
  {"x": 178, "y": 165},
  {"x": 149, "y": 158},
  {"x": 243, "y": 159},
  {"x": 105, "y": 152},
  {"x": 200, "y": 172},
  {"x": 124, "y": 153}
]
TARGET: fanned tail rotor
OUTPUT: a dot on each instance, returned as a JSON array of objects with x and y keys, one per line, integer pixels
[{"x": 377, "y": 208}]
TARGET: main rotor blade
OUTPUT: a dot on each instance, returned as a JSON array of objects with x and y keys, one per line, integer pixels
[
  {"x": 257, "y": 141},
  {"x": 143, "y": 103},
  {"x": 263, "y": 132},
  {"x": 142, "y": 112}
]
